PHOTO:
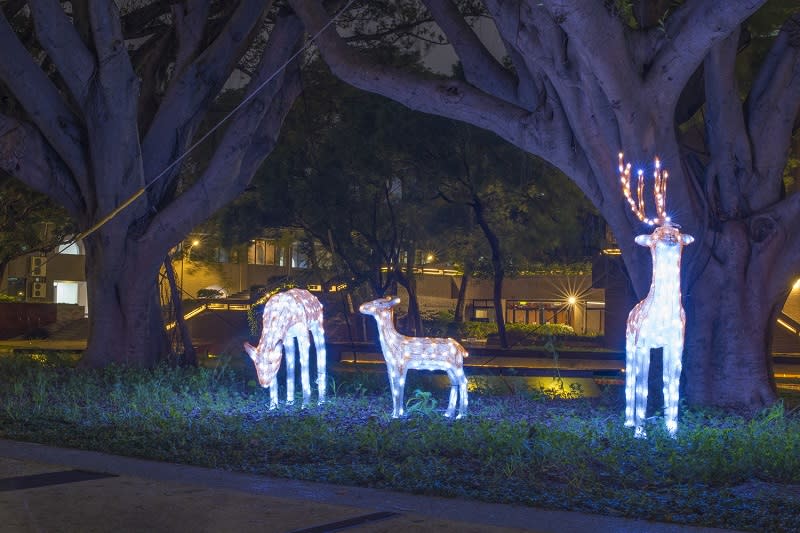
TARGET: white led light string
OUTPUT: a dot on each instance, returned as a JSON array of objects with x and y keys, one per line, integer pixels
[
  {"x": 425, "y": 353},
  {"x": 659, "y": 320},
  {"x": 288, "y": 316}
]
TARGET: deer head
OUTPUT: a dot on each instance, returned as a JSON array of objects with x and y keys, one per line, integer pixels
[{"x": 375, "y": 307}]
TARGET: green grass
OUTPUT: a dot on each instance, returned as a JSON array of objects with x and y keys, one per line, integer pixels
[{"x": 525, "y": 448}]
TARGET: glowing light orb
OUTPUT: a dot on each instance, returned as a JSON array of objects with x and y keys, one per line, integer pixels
[
  {"x": 425, "y": 353},
  {"x": 288, "y": 316},
  {"x": 658, "y": 321}
]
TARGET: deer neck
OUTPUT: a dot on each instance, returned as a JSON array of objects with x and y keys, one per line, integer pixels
[
  {"x": 666, "y": 284},
  {"x": 387, "y": 334}
]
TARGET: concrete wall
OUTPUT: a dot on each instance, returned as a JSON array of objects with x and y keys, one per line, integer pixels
[
  {"x": 57, "y": 268},
  {"x": 20, "y": 318}
]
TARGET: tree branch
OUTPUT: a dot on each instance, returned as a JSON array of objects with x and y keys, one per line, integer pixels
[
  {"x": 26, "y": 155},
  {"x": 599, "y": 38},
  {"x": 247, "y": 141},
  {"x": 731, "y": 161},
  {"x": 148, "y": 61},
  {"x": 773, "y": 106},
  {"x": 190, "y": 92},
  {"x": 480, "y": 68},
  {"x": 529, "y": 90},
  {"x": 190, "y": 20},
  {"x": 41, "y": 100},
  {"x": 685, "y": 40},
  {"x": 64, "y": 45},
  {"x": 776, "y": 242},
  {"x": 448, "y": 98},
  {"x": 112, "y": 115}
]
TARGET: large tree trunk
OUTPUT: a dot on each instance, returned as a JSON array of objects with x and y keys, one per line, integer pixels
[
  {"x": 125, "y": 323},
  {"x": 727, "y": 351}
]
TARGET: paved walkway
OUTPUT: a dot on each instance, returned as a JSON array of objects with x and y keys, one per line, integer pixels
[{"x": 47, "y": 489}]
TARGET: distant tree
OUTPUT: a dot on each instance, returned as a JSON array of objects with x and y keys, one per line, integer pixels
[
  {"x": 99, "y": 107},
  {"x": 521, "y": 207},
  {"x": 412, "y": 183},
  {"x": 29, "y": 222},
  {"x": 578, "y": 81}
]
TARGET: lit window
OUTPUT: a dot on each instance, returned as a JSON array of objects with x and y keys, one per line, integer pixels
[
  {"x": 69, "y": 249},
  {"x": 299, "y": 258}
]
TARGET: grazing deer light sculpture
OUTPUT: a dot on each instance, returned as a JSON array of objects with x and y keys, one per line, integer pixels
[
  {"x": 658, "y": 321},
  {"x": 288, "y": 316},
  {"x": 425, "y": 353}
]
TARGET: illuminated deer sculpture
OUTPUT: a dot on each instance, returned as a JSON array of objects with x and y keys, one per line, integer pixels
[
  {"x": 658, "y": 321},
  {"x": 426, "y": 353},
  {"x": 288, "y": 316}
]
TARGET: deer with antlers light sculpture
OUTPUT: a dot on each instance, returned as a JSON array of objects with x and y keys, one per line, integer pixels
[
  {"x": 658, "y": 321},
  {"x": 426, "y": 353},
  {"x": 288, "y": 316}
]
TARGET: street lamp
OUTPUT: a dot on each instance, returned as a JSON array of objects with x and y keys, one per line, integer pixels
[{"x": 188, "y": 256}]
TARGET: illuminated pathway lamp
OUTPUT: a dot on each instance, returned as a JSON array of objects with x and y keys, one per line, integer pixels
[
  {"x": 424, "y": 353},
  {"x": 658, "y": 321},
  {"x": 288, "y": 316}
]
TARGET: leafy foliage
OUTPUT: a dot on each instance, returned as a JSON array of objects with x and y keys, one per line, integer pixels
[
  {"x": 408, "y": 186},
  {"x": 29, "y": 221}
]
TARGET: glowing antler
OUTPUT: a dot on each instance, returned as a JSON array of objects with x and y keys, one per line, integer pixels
[{"x": 659, "y": 192}]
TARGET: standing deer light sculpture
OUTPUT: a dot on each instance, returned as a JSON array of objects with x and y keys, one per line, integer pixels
[
  {"x": 658, "y": 321},
  {"x": 288, "y": 316},
  {"x": 425, "y": 353}
]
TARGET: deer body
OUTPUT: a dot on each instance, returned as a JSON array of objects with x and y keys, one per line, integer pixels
[
  {"x": 288, "y": 316},
  {"x": 425, "y": 353},
  {"x": 658, "y": 321}
]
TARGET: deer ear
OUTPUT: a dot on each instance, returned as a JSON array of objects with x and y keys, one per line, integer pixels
[
  {"x": 643, "y": 240},
  {"x": 250, "y": 351},
  {"x": 687, "y": 239}
]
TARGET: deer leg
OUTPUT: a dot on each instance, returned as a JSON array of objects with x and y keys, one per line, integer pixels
[
  {"x": 640, "y": 408},
  {"x": 288, "y": 346},
  {"x": 304, "y": 345},
  {"x": 451, "y": 405},
  {"x": 672, "y": 377},
  {"x": 273, "y": 394},
  {"x": 319, "y": 343},
  {"x": 462, "y": 385},
  {"x": 630, "y": 382},
  {"x": 401, "y": 389},
  {"x": 394, "y": 384}
]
